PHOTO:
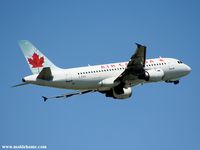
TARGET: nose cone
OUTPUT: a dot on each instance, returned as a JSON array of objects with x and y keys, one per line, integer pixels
[{"x": 187, "y": 69}]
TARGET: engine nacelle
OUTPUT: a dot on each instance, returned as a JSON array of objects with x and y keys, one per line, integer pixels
[
  {"x": 127, "y": 92},
  {"x": 154, "y": 75},
  {"x": 109, "y": 82}
]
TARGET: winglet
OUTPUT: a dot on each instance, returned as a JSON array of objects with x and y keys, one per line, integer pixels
[
  {"x": 45, "y": 98},
  {"x": 139, "y": 45}
]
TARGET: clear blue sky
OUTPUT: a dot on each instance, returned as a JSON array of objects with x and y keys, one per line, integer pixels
[{"x": 77, "y": 33}]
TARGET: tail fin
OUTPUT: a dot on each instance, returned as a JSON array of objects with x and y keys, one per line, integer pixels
[{"x": 35, "y": 59}]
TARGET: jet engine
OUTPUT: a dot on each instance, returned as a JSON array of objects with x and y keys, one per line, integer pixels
[
  {"x": 127, "y": 92},
  {"x": 109, "y": 82},
  {"x": 124, "y": 93},
  {"x": 153, "y": 75}
]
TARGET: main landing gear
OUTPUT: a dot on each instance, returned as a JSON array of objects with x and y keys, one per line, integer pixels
[{"x": 176, "y": 82}]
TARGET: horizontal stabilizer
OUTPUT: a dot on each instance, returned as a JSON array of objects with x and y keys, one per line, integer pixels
[
  {"x": 21, "y": 84},
  {"x": 45, "y": 74}
]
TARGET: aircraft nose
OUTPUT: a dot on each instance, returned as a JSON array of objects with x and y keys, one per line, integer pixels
[{"x": 187, "y": 69}]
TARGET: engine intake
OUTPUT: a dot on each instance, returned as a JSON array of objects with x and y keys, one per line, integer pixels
[{"x": 127, "y": 92}]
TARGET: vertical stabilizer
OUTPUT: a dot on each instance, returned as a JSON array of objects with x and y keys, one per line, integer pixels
[{"x": 35, "y": 59}]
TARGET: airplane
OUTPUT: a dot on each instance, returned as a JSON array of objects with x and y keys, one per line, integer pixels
[{"x": 115, "y": 80}]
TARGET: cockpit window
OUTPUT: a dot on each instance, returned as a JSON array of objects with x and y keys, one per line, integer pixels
[{"x": 180, "y": 62}]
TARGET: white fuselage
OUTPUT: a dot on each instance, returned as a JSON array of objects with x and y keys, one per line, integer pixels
[{"x": 101, "y": 77}]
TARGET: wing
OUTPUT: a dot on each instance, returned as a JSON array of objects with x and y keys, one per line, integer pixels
[
  {"x": 134, "y": 68},
  {"x": 68, "y": 94}
]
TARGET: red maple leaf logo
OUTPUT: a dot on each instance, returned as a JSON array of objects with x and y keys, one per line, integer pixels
[{"x": 36, "y": 61}]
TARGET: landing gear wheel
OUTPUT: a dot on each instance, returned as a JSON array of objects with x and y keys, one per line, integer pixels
[{"x": 176, "y": 82}]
